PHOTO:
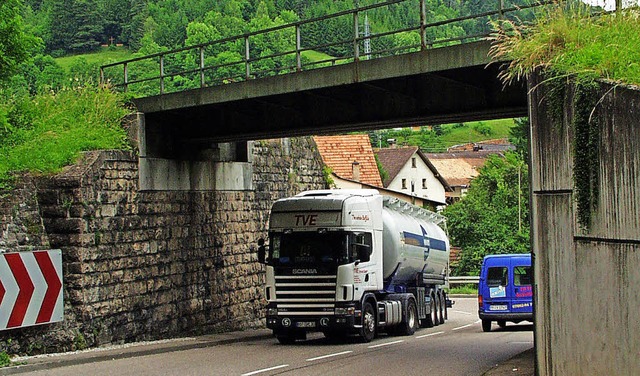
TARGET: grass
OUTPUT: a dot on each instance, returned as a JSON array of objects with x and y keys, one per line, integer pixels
[
  {"x": 47, "y": 132},
  {"x": 451, "y": 134},
  {"x": 105, "y": 55},
  {"x": 471, "y": 132},
  {"x": 464, "y": 290},
  {"x": 569, "y": 41}
]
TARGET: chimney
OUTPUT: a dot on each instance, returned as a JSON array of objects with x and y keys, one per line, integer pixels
[{"x": 355, "y": 170}]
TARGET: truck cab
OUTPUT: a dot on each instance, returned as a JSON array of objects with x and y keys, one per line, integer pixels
[{"x": 505, "y": 291}]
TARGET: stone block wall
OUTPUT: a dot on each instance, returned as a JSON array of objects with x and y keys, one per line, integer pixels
[{"x": 143, "y": 265}]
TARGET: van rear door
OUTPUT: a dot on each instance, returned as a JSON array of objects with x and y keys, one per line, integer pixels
[
  {"x": 497, "y": 284},
  {"x": 522, "y": 277}
]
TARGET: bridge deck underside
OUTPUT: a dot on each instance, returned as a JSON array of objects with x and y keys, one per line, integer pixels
[{"x": 450, "y": 84}]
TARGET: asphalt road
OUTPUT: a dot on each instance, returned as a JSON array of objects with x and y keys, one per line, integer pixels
[{"x": 459, "y": 347}]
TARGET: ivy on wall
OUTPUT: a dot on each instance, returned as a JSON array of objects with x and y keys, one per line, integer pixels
[{"x": 586, "y": 136}]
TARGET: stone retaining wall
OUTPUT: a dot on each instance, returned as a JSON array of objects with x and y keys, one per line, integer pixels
[{"x": 147, "y": 265}]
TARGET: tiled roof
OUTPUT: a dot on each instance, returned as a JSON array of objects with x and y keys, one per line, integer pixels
[
  {"x": 461, "y": 167},
  {"x": 393, "y": 159},
  {"x": 339, "y": 153}
]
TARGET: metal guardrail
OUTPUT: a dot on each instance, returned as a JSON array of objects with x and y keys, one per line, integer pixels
[
  {"x": 464, "y": 280},
  {"x": 136, "y": 71}
]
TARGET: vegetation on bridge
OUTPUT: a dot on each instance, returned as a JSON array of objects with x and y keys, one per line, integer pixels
[{"x": 572, "y": 45}]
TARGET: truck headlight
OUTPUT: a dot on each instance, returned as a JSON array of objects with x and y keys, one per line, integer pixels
[
  {"x": 345, "y": 311},
  {"x": 272, "y": 312}
]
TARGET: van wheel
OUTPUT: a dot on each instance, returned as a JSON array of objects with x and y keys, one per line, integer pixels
[
  {"x": 486, "y": 325},
  {"x": 502, "y": 323}
]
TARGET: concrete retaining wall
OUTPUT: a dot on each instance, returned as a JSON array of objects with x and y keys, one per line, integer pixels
[
  {"x": 587, "y": 294},
  {"x": 141, "y": 265}
]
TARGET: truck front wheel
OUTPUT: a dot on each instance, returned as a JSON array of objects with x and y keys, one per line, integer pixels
[{"x": 368, "y": 330}]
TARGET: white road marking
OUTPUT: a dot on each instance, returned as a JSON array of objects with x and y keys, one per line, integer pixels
[
  {"x": 429, "y": 335},
  {"x": 463, "y": 312},
  {"x": 265, "y": 370},
  {"x": 386, "y": 344},
  {"x": 329, "y": 356},
  {"x": 464, "y": 326}
]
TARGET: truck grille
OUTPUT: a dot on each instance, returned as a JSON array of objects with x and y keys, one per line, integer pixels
[{"x": 306, "y": 295}]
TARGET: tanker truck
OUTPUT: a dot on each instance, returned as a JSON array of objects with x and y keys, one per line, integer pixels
[{"x": 353, "y": 262}]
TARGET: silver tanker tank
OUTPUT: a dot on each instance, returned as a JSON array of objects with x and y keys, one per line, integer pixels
[{"x": 413, "y": 242}]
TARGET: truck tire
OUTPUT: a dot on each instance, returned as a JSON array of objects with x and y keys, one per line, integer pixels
[
  {"x": 410, "y": 320},
  {"x": 368, "y": 330},
  {"x": 446, "y": 313},
  {"x": 428, "y": 321},
  {"x": 335, "y": 335},
  {"x": 286, "y": 339},
  {"x": 486, "y": 325},
  {"x": 438, "y": 309},
  {"x": 443, "y": 307}
]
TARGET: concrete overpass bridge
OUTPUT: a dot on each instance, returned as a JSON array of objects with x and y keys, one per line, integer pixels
[{"x": 431, "y": 80}]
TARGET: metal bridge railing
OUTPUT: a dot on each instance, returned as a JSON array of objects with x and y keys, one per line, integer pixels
[{"x": 202, "y": 65}]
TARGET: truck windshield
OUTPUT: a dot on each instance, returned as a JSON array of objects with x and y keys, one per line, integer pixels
[{"x": 310, "y": 248}]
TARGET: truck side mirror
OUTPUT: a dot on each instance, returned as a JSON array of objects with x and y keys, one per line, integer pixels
[{"x": 262, "y": 251}]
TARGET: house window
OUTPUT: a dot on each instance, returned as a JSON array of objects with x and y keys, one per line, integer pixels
[
  {"x": 404, "y": 183},
  {"x": 413, "y": 162},
  {"x": 424, "y": 183}
]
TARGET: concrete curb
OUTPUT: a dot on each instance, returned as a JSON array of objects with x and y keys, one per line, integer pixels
[
  {"x": 40, "y": 363},
  {"x": 522, "y": 364}
]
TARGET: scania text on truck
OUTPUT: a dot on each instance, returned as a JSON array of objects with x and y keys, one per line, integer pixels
[{"x": 353, "y": 262}]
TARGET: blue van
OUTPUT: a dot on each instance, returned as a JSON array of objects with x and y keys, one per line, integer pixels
[{"x": 505, "y": 291}]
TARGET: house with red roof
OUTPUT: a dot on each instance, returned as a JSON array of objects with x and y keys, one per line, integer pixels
[
  {"x": 409, "y": 171},
  {"x": 353, "y": 165}
]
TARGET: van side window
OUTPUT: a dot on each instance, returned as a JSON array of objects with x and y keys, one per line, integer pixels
[
  {"x": 497, "y": 276},
  {"x": 522, "y": 276}
]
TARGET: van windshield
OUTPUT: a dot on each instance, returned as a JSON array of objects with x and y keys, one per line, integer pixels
[
  {"x": 497, "y": 276},
  {"x": 309, "y": 248}
]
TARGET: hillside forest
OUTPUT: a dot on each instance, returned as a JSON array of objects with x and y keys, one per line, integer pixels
[{"x": 60, "y": 28}]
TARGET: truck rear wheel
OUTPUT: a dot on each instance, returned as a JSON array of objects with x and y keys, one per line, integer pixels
[
  {"x": 486, "y": 325},
  {"x": 410, "y": 322},
  {"x": 438, "y": 310},
  {"x": 368, "y": 330},
  {"x": 443, "y": 308},
  {"x": 428, "y": 321}
]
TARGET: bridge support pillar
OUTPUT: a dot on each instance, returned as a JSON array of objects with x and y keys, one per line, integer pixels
[{"x": 169, "y": 162}]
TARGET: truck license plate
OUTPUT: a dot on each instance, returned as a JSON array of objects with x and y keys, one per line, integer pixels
[
  {"x": 498, "y": 308},
  {"x": 306, "y": 324}
]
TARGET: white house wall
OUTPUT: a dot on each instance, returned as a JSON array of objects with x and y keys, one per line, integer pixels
[{"x": 434, "y": 189}]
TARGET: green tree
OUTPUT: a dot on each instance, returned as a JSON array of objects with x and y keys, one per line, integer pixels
[
  {"x": 493, "y": 218},
  {"x": 15, "y": 44},
  {"x": 519, "y": 136},
  {"x": 133, "y": 30}
]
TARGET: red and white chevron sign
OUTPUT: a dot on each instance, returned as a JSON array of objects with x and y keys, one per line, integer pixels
[{"x": 30, "y": 288}]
